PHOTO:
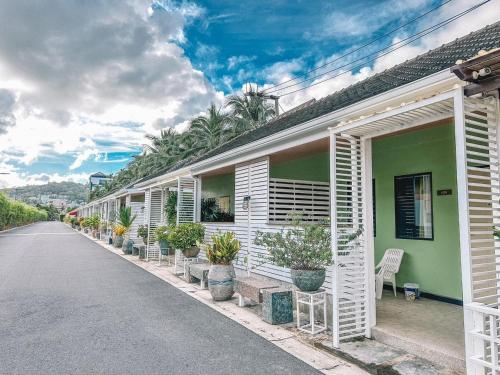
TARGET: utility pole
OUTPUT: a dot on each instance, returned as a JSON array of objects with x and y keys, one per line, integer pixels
[{"x": 265, "y": 97}]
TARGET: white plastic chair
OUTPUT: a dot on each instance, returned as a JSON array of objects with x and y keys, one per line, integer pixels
[{"x": 389, "y": 267}]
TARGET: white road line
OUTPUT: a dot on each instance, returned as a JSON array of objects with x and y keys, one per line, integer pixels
[{"x": 34, "y": 234}]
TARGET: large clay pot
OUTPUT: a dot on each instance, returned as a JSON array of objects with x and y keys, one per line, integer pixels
[
  {"x": 221, "y": 281},
  {"x": 127, "y": 246},
  {"x": 118, "y": 242},
  {"x": 191, "y": 252},
  {"x": 308, "y": 280}
]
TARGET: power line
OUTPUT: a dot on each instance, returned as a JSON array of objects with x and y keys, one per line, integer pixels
[
  {"x": 390, "y": 50},
  {"x": 361, "y": 47}
]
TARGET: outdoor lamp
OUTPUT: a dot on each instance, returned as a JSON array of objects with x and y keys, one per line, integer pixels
[{"x": 246, "y": 202}]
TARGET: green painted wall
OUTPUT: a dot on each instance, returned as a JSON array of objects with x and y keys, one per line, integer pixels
[
  {"x": 219, "y": 186},
  {"x": 314, "y": 167},
  {"x": 435, "y": 265}
]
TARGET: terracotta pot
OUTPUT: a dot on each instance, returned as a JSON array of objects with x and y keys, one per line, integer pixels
[
  {"x": 191, "y": 252},
  {"x": 221, "y": 281},
  {"x": 308, "y": 280}
]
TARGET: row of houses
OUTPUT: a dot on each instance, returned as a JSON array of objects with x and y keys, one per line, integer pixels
[{"x": 408, "y": 156}]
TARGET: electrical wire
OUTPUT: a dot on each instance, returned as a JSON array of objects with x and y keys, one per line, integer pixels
[
  {"x": 391, "y": 49},
  {"x": 361, "y": 47}
]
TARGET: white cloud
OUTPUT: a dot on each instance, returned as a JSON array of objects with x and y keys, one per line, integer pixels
[
  {"x": 72, "y": 92},
  {"x": 283, "y": 71}
]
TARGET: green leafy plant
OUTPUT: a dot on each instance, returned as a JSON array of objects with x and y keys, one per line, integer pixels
[
  {"x": 171, "y": 208},
  {"x": 223, "y": 249},
  {"x": 142, "y": 232},
  {"x": 162, "y": 233},
  {"x": 93, "y": 221},
  {"x": 211, "y": 212},
  {"x": 302, "y": 246},
  {"x": 125, "y": 218},
  {"x": 186, "y": 235}
]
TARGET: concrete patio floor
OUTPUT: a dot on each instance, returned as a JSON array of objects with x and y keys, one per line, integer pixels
[{"x": 427, "y": 328}]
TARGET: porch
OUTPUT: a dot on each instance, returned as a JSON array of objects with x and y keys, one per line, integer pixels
[{"x": 427, "y": 328}]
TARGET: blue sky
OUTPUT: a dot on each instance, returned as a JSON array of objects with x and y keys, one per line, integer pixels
[{"x": 86, "y": 81}]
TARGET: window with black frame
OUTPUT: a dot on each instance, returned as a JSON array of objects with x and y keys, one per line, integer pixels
[{"x": 413, "y": 195}]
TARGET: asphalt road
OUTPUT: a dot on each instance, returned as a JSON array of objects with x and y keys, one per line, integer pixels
[{"x": 67, "y": 306}]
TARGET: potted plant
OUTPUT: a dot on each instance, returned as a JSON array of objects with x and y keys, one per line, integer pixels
[
  {"x": 304, "y": 248},
  {"x": 103, "y": 228},
  {"x": 185, "y": 238},
  {"x": 119, "y": 231},
  {"x": 161, "y": 235},
  {"x": 221, "y": 253},
  {"x": 142, "y": 232},
  {"x": 126, "y": 220},
  {"x": 80, "y": 222}
]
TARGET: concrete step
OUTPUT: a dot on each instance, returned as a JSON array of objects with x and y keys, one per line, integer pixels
[{"x": 433, "y": 353}]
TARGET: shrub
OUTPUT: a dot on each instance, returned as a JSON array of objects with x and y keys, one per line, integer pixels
[
  {"x": 119, "y": 230},
  {"x": 162, "y": 233},
  {"x": 223, "y": 249},
  {"x": 142, "y": 232},
  {"x": 14, "y": 213},
  {"x": 186, "y": 235},
  {"x": 304, "y": 246}
]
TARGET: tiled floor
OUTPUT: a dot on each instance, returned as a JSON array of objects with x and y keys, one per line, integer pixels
[{"x": 422, "y": 325}]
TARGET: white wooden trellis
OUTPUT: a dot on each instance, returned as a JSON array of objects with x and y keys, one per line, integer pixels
[
  {"x": 311, "y": 198},
  {"x": 154, "y": 215},
  {"x": 186, "y": 200},
  {"x": 478, "y": 175},
  {"x": 349, "y": 280}
]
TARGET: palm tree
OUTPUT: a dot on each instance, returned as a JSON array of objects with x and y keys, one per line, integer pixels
[
  {"x": 209, "y": 131},
  {"x": 249, "y": 112}
]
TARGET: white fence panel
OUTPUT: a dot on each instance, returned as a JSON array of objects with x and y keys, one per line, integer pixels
[
  {"x": 154, "y": 218},
  {"x": 350, "y": 292},
  {"x": 310, "y": 198}
]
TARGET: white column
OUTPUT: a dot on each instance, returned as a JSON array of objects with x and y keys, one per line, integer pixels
[
  {"x": 333, "y": 223},
  {"x": 367, "y": 180},
  {"x": 463, "y": 220}
]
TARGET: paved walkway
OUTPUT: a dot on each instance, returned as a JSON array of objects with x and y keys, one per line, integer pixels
[{"x": 68, "y": 307}]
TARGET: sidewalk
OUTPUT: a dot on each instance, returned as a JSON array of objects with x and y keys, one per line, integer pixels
[{"x": 280, "y": 336}]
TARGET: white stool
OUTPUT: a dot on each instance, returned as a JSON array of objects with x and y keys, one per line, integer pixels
[{"x": 312, "y": 300}]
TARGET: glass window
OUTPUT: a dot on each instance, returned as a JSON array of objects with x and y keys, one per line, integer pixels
[{"x": 413, "y": 194}]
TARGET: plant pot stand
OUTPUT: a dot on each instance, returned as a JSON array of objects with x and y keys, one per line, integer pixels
[
  {"x": 313, "y": 300},
  {"x": 181, "y": 262}
]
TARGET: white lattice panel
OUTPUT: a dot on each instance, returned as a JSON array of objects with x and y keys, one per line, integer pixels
[
  {"x": 483, "y": 197},
  {"x": 350, "y": 311},
  {"x": 154, "y": 218},
  {"x": 310, "y": 198},
  {"x": 186, "y": 188}
]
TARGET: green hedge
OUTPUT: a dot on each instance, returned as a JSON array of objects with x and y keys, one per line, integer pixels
[{"x": 15, "y": 213}]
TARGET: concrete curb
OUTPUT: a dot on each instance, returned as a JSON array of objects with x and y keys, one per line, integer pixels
[{"x": 279, "y": 336}]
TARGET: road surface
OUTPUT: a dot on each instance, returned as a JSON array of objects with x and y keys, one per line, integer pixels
[{"x": 68, "y": 306}]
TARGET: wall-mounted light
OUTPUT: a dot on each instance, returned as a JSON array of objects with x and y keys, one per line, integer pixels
[{"x": 246, "y": 202}]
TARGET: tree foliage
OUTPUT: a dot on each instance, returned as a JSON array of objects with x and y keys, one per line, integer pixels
[
  {"x": 205, "y": 133},
  {"x": 15, "y": 213}
]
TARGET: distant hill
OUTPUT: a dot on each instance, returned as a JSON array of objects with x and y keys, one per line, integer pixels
[{"x": 71, "y": 192}]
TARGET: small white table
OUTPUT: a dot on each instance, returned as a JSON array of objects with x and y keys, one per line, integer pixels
[
  {"x": 182, "y": 261},
  {"x": 313, "y": 300}
]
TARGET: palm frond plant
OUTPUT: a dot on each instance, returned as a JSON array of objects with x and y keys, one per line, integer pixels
[{"x": 125, "y": 218}]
